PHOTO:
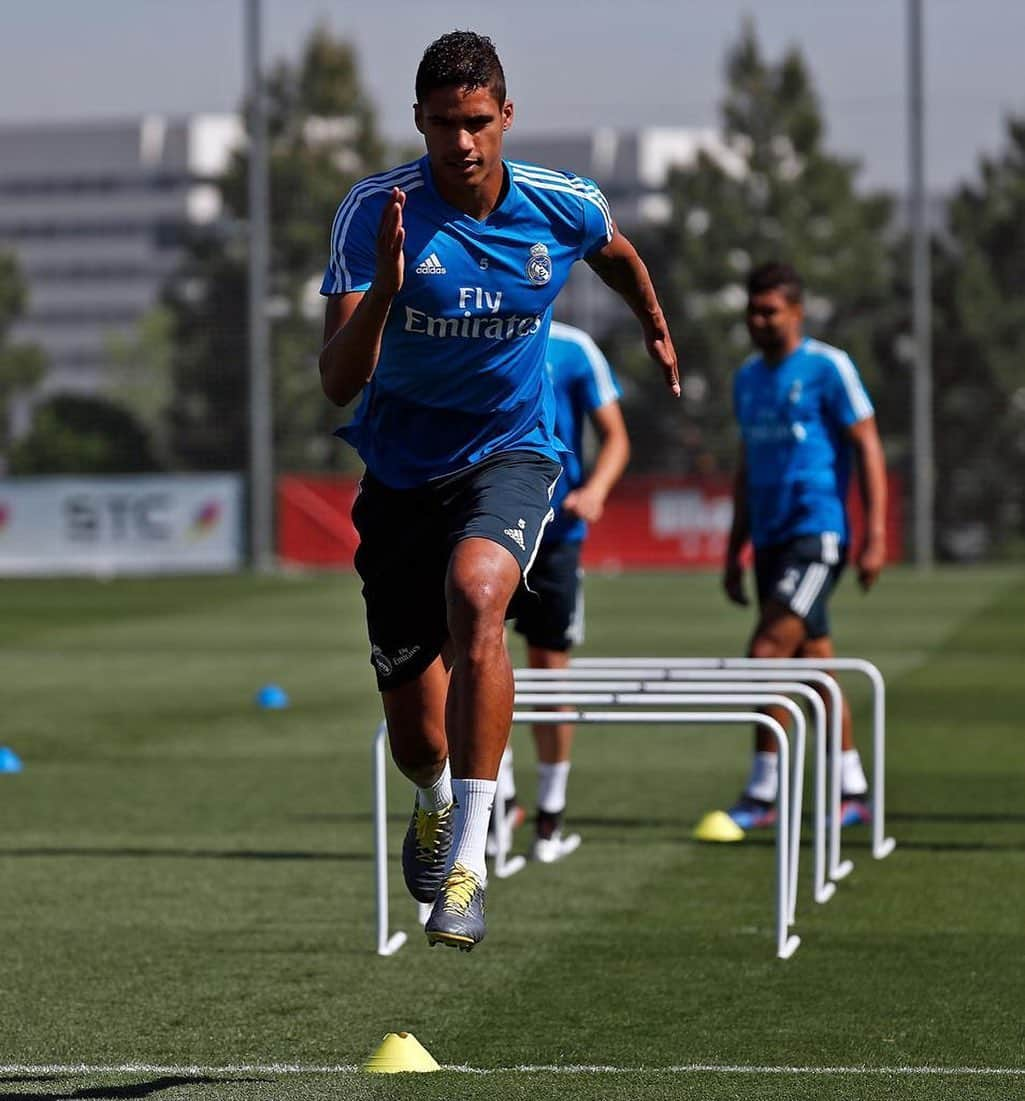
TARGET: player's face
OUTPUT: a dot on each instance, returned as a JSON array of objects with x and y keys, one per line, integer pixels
[
  {"x": 463, "y": 130},
  {"x": 774, "y": 322}
]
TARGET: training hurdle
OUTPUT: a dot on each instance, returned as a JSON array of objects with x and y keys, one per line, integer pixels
[
  {"x": 657, "y": 679},
  {"x": 882, "y": 845},
  {"x": 786, "y": 943},
  {"x": 726, "y": 690}
]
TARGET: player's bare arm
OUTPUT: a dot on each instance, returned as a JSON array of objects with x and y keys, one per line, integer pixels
[
  {"x": 733, "y": 571},
  {"x": 354, "y": 322},
  {"x": 588, "y": 500},
  {"x": 620, "y": 267},
  {"x": 871, "y": 463}
]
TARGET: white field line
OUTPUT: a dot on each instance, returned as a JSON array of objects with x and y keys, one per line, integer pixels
[{"x": 192, "y": 1070}]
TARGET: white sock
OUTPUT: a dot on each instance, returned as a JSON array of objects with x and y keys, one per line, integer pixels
[
  {"x": 763, "y": 782},
  {"x": 439, "y": 794},
  {"x": 506, "y": 779},
  {"x": 551, "y": 786},
  {"x": 852, "y": 775},
  {"x": 474, "y": 800}
]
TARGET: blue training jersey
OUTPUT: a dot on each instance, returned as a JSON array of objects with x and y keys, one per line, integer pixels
[
  {"x": 582, "y": 381},
  {"x": 461, "y": 370},
  {"x": 793, "y": 419}
]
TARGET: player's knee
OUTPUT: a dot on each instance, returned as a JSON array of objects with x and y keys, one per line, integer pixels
[
  {"x": 420, "y": 766},
  {"x": 476, "y": 610},
  {"x": 475, "y": 597},
  {"x": 419, "y": 747},
  {"x": 819, "y": 647},
  {"x": 769, "y": 646}
]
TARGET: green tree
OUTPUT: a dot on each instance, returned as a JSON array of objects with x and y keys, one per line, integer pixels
[
  {"x": 83, "y": 434},
  {"x": 772, "y": 191},
  {"x": 21, "y": 365},
  {"x": 978, "y": 357},
  {"x": 141, "y": 376},
  {"x": 323, "y": 137}
]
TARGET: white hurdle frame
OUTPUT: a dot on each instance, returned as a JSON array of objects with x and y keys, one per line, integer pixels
[
  {"x": 651, "y": 678},
  {"x": 387, "y": 943},
  {"x": 727, "y": 692},
  {"x": 882, "y": 846},
  {"x": 786, "y": 943}
]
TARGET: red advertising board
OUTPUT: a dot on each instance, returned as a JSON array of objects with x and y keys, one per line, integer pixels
[
  {"x": 314, "y": 527},
  {"x": 650, "y": 522},
  {"x": 653, "y": 522}
]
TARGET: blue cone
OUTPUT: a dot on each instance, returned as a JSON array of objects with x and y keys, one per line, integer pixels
[
  {"x": 9, "y": 760},
  {"x": 272, "y": 697}
]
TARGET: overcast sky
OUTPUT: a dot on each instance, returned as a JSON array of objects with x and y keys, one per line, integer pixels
[{"x": 570, "y": 64}]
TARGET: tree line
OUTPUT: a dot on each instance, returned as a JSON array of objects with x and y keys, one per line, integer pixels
[{"x": 177, "y": 397}]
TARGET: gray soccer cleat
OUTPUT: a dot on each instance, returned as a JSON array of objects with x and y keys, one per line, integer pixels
[
  {"x": 457, "y": 919},
  {"x": 425, "y": 850}
]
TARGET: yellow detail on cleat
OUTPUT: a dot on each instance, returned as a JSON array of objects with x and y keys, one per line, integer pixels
[
  {"x": 428, "y": 829},
  {"x": 717, "y": 826},
  {"x": 452, "y": 940},
  {"x": 401, "y": 1052},
  {"x": 458, "y": 889}
]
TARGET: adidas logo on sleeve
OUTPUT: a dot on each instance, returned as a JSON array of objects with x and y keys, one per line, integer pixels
[{"x": 431, "y": 266}]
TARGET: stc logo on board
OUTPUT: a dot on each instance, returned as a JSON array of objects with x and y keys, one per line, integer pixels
[{"x": 125, "y": 517}]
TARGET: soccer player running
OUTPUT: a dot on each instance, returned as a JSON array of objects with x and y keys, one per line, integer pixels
[
  {"x": 439, "y": 288},
  {"x": 802, "y": 412},
  {"x": 550, "y": 616}
]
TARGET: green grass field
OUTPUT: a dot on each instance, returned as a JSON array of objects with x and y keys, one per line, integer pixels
[{"x": 188, "y": 880}]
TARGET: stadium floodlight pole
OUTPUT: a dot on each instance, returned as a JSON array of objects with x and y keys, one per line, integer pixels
[
  {"x": 921, "y": 291},
  {"x": 261, "y": 442}
]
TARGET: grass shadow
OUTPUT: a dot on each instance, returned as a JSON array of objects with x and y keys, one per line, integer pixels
[
  {"x": 133, "y": 1089},
  {"x": 189, "y": 854}
]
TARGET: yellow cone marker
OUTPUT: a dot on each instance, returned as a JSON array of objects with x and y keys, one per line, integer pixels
[
  {"x": 717, "y": 826},
  {"x": 401, "y": 1052}
]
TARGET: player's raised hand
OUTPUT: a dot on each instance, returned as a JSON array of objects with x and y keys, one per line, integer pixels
[{"x": 391, "y": 236}]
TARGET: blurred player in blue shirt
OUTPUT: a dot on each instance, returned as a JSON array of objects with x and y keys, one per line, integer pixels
[
  {"x": 439, "y": 289},
  {"x": 803, "y": 415},
  {"x": 550, "y": 616}
]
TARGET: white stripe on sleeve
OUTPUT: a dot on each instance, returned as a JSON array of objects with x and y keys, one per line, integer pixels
[
  {"x": 600, "y": 368},
  {"x": 568, "y": 187},
  {"x": 407, "y": 177},
  {"x": 849, "y": 377}
]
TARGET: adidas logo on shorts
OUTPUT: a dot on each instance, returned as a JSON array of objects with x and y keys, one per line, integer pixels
[
  {"x": 431, "y": 266},
  {"x": 516, "y": 535}
]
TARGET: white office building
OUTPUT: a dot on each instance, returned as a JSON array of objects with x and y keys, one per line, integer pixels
[{"x": 95, "y": 213}]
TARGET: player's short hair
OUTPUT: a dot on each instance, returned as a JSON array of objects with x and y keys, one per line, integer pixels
[
  {"x": 776, "y": 276},
  {"x": 461, "y": 59}
]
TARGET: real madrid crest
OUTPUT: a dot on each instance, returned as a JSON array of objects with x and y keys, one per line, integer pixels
[{"x": 539, "y": 265}]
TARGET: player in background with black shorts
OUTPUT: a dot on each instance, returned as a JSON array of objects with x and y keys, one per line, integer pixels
[
  {"x": 550, "y": 616},
  {"x": 439, "y": 290},
  {"x": 803, "y": 415}
]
